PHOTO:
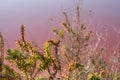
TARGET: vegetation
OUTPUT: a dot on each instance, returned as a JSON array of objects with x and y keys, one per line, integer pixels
[{"x": 69, "y": 56}]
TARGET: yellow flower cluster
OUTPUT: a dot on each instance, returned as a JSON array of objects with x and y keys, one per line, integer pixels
[{"x": 90, "y": 75}]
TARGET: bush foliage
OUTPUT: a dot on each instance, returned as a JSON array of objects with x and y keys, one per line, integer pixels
[{"x": 69, "y": 56}]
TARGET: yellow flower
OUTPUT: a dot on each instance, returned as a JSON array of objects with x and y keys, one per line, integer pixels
[
  {"x": 90, "y": 75},
  {"x": 46, "y": 47}
]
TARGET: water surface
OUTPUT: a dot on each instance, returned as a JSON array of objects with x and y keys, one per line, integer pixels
[{"x": 40, "y": 16}]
